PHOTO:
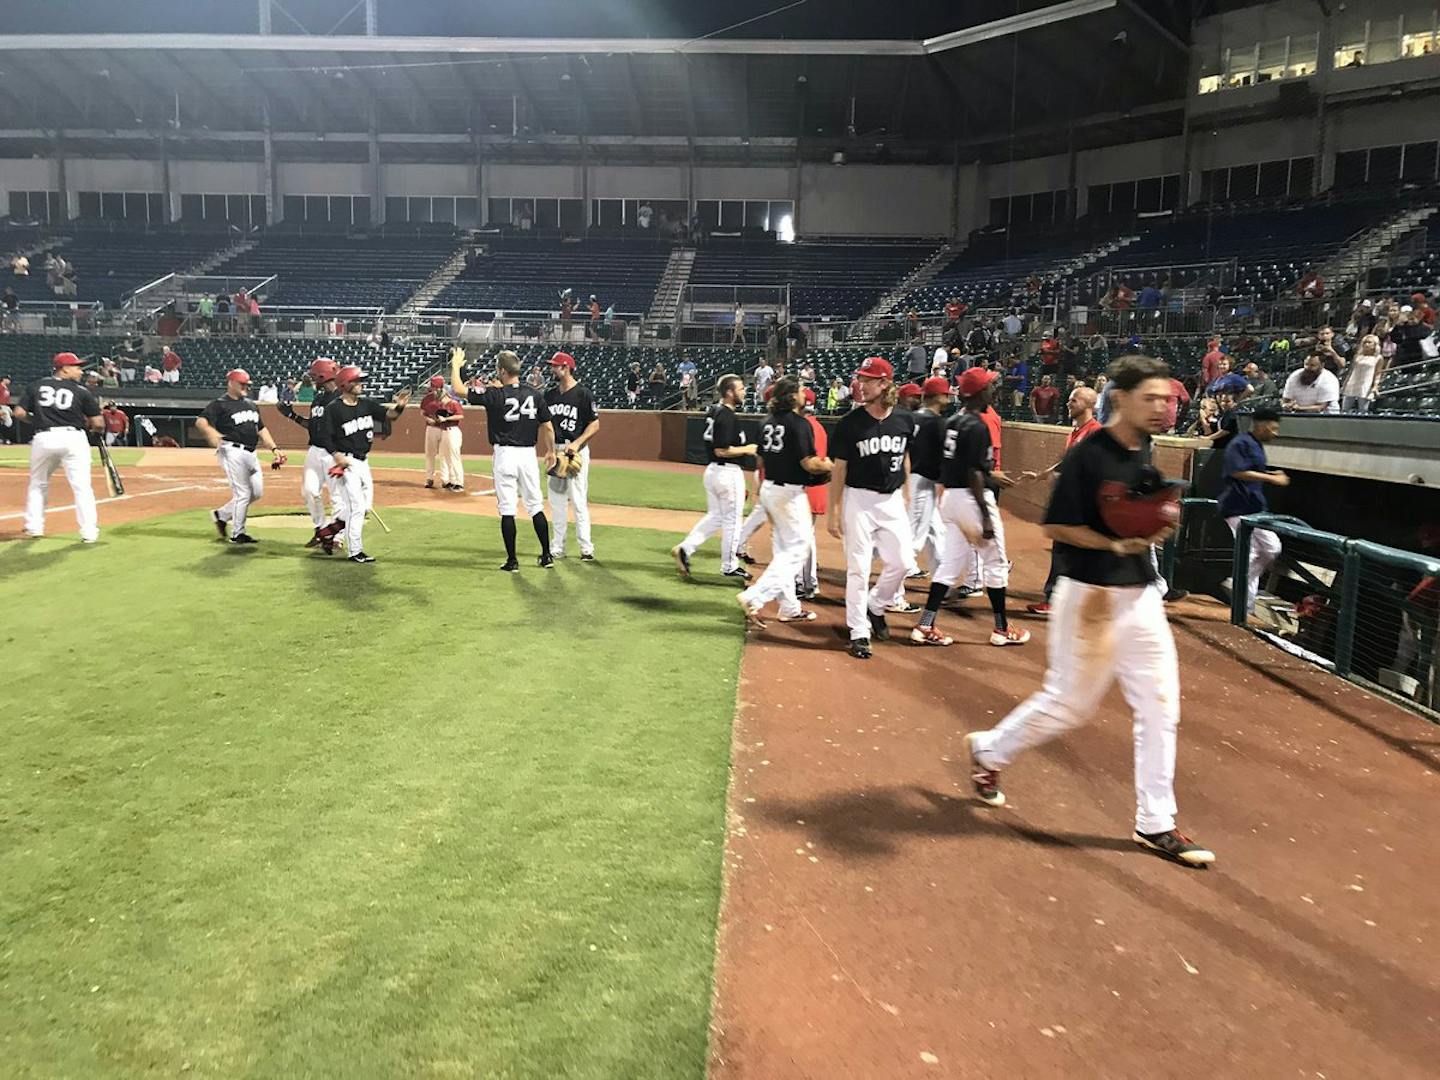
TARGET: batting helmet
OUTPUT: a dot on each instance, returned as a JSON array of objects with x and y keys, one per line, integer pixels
[
  {"x": 349, "y": 374},
  {"x": 1145, "y": 509},
  {"x": 323, "y": 369}
]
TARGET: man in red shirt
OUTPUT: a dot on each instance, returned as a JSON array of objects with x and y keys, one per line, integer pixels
[
  {"x": 1210, "y": 363},
  {"x": 442, "y": 436},
  {"x": 1423, "y": 311},
  {"x": 170, "y": 364},
  {"x": 953, "y": 310},
  {"x": 1178, "y": 396},
  {"x": 1050, "y": 351},
  {"x": 1043, "y": 400},
  {"x": 594, "y": 316},
  {"x": 1124, "y": 296},
  {"x": 1083, "y": 424},
  {"x": 117, "y": 424}
]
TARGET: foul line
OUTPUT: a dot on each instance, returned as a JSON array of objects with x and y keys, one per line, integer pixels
[{"x": 111, "y": 499}]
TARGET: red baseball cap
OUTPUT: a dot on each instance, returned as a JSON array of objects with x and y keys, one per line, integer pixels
[
  {"x": 911, "y": 389},
  {"x": 972, "y": 381},
  {"x": 563, "y": 359},
  {"x": 936, "y": 384},
  {"x": 437, "y": 381},
  {"x": 237, "y": 375},
  {"x": 875, "y": 368},
  {"x": 66, "y": 359}
]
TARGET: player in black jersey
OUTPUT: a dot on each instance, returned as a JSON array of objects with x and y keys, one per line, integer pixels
[
  {"x": 726, "y": 444},
  {"x": 517, "y": 421},
  {"x": 577, "y": 421},
  {"x": 787, "y": 444},
  {"x": 233, "y": 426},
  {"x": 870, "y": 446},
  {"x": 972, "y": 518},
  {"x": 347, "y": 433},
  {"x": 62, "y": 411},
  {"x": 317, "y": 481}
]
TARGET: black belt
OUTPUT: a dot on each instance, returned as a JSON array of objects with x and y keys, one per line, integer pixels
[{"x": 239, "y": 445}]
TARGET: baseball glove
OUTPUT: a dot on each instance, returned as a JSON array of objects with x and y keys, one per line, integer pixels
[{"x": 567, "y": 465}]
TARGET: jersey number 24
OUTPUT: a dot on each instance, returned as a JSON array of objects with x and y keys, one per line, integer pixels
[{"x": 518, "y": 407}]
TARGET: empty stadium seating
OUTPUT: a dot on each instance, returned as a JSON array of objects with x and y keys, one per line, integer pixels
[
  {"x": 836, "y": 280},
  {"x": 108, "y": 265},
  {"x": 333, "y": 270},
  {"x": 990, "y": 269},
  {"x": 523, "y": 274}
]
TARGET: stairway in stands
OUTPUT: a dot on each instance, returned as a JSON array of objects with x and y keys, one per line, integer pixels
[
  {"x": 435, "y": 284},
  {"x": 1366, "y": 249},
  {"x": 669, "y": 290},
  {"x": 205, "y": 266},
  {"x": 921, "y": 275}
]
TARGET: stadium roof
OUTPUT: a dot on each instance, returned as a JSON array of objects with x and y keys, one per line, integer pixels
[{"x": 981, "y": 82}]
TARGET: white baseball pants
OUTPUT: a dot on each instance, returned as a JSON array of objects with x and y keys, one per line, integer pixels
[
  {"x": 1099, "y": 635},
  {"x": 724, "y": 495},
  {"x": 751, "y": 525},
  {"x": 247, "y": 484},
  {"x": 355, "y": 494},
  {"x": 315, "y": 481},
  {"x": 792, "y": 532},
  {"x": 565, "y": 494},
  {"x": 873, "y": 522},
  {"x": 56, "y": 449},
  {"x": 442, "y": 446},
  {"x": 516, "y": 469},
  {"x": 1264, "y": 550},
  {"x": 960, "y": 511},
  {"x": 925, "y": 524}
]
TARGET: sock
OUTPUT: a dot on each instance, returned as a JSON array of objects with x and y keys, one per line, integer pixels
[
  {"x": 542, "y": 530},
  {"x": 507, "y": 530},
  {"x": 932, "y": 603},
  {"x": 997, "y": 605}
]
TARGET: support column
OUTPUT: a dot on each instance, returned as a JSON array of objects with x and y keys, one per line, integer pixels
[
  {"x": 477, "y": 177},
  {"x": 1182, "y": 197},
  {"x": 1072, "y": 172},
  {"x": 264, "y": 16},
  {"x": 955, "y": 193},
  {"x": 1323, "y": 174},
  {"x": 61, "y": 182},
  {"x": 166, "y": 192},
  {"x": 376, "y": 185},
  {"x": 272, "y": 208},
  {"x": 372, "y": 19}
]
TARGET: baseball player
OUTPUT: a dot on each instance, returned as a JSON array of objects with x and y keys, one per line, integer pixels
[
  {"x": 61, "y": 411},
  {"x": 1246, "y": 473},
  {"x": 817, "y": 492},
  {"x": 519, "y": 425},
  {"x": 926, "y": 527},
  {"x": 787, "y": 445},
  {"x": 909, "y": 396},
  {"x": 316, "y": 481},
  {"x": 1081, "y": 404},
  {"x": 870, "y": 447},
  {"x": 347, "y": 433},
  {"x": 971, "y": 516},
  {"x": 1108, "y": 620},
  {"x": 233, "y": 426},
  {"x": 443, "y": 415},
  {"x": 117, "y": 423},
  {"x": 724, "y": 481},
  {"x": 577, "y": 421}
]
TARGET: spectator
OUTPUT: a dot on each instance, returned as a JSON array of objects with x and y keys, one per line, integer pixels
[
  {"x": 1362, "y": 319},
  {"x": 737, "y": 332},
  {"x": 1017, "y": 381},
  {"x": 1012, "y": 324},
  {"x": 117, "y": 424},
  {"x": 1124, "y": 296},
  {"x": 1179, "y": 398},
  {"x": 917, "y": 360},
  {"x": 1222, "y": 372},
  {"x": 1246, "y": 473},
  {"x": 1207, "y": 421},
  {"x": 170, "y": 363},
  {"x": 978, "y": 340},
  {"x": 1423, "y": 311},
  {"x": 1043, "y": 400},
  {"x": 689, "y": 390},
  {"x": 1311, "y": 286},
  {"x": 835, "y": 397},
  {"x": 632, "y": 384},
  {"x": 1408, "y": 335},
  {"x": 1261, "y": 385},
  {"x": 954, "y": 311},
  {"x": 1150, "y": 297},
  {"x": 152, "y": 375},
  {"x": 1210, "y": 363},
  {"x": 764, "y": 376},
  {"x": 657, "y": 385},
  {"x": 567, "y": 309},
  {"x": 608, "y": 322},
  {"x": 10, "y": 315},
  {"x": 535, "y": 379},
  {"x": 1362, "y": 384},
  {"x": 645, "y": 216},
  {"x": 109, "y": 372},
  {"x": 527, "y": 217},
  {"x": 592, "y": 329},
  {"x": 807, "y": 374},
  {"x": 288, "y": 392},
  {"x": 1312, "y": 388},
  {"x": 20, "y": 266},
  {"x": 267, "y": 394},
  {"x": 796, "y": 337},
  {"x": 1331, "y": 350},
  {"x": 206, "y": 311},
  {"x": 305, "y": 392}
]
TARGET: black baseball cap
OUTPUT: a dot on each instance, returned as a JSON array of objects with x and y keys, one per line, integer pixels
[{"x": 1266, "y": 412}]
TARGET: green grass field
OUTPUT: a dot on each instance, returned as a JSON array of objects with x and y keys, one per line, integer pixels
[
  {"x": 266, "y": 814},
  {"x": 18, "y": 457}
]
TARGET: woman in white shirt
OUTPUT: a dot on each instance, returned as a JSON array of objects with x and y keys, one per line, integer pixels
[{"x": 1363, "y": 380}]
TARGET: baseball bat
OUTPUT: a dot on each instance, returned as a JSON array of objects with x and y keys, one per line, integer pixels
[
  {"x": 378, "y": 519},
  {"x": 113, "y": 483}
]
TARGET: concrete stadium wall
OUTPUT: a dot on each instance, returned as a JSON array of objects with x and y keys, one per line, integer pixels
[{"x": 875, "y": 200}]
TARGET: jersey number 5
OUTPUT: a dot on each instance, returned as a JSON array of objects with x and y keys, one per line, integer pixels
[
  {"x": 61, "y": 397},
  {"x": 950, "y": 437},
  {"x": 518, "y": 407}
]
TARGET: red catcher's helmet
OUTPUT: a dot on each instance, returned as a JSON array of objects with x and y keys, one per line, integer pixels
[
  {"x": 1148, "y": 508},
  {"x": 350, "y": 374},
  {"x": 323, "y": 369}
]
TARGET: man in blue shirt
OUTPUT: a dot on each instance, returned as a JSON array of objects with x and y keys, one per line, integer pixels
[{"x": 1246, "y": 474}]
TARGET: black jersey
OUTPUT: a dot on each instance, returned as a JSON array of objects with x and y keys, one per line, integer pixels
[
  {"x": 513, "y": 414},
  {"x": 572, "y": 411},
  {"x": 350, "y": 429},
  {"x": 785, "y": 441},
  {"x": 59, "y": 403},
  {"x": 238, "y": 420},
  {"x": 966, "y": 449},
  {"x": 722, "y": 431},
  {"x": 314, "y": 422},
  {"x": 925, "y": 451},
  {"x": 1076, "y": 501},
  {"x": 873, "y": 450}
]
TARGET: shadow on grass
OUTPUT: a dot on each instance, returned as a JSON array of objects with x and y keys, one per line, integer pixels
[{"x": 28, "y": 556}]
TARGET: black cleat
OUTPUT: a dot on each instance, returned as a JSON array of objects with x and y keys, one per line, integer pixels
[
  {"x": 219, "y": 525},
  {"x": 879, "y": 629},
  {"x": 327, "y": 546},
  {"x": 512, "y": 566},
  {"x": 587, "y": 556},
  {"x": 546, "y": 561},
  {"x": 739, "y": 573},
  {"x": 361, "y": 557},
  {"x": 243, "y": 538},
  {"x": 431, "y": 484},
  {"x": 1175, "y": 845},
  {"x": 315, "y": 538},
  {"x": 682, "y": 560},
  {"x": 860, "y": 648},
  {"x": 1173, "y": 595},
  {"x": 745, "y": 557},
  {"x": 916, "y": 574}
]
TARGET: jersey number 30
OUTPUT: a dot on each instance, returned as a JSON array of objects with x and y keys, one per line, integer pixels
[
  {"x": 61, "y": 397},
  {"x": 518, "y": 407}
]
